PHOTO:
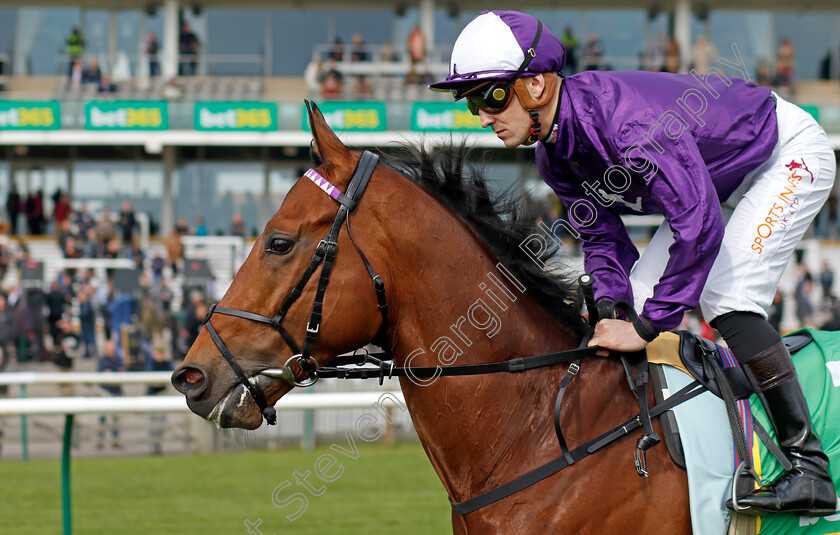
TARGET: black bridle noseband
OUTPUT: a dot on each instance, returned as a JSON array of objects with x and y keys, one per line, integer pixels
[{"x": 324, "y": 253}]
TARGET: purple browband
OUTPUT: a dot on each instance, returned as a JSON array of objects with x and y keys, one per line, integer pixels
[{"x": 322, "y": 183}]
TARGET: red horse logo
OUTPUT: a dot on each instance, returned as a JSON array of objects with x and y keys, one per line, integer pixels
[{"x": 794, "y": 165}]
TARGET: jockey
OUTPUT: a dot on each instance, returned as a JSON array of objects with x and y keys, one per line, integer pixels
[{"x": 738, "y": 173}]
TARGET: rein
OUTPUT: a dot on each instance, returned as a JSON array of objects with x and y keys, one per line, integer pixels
[{"x": 385, "y": 367}]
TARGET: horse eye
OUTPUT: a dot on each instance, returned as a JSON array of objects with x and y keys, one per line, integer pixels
[{"x": 279, "y": 246}]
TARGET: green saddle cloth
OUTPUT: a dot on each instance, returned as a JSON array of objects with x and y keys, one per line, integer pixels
[{"x": 818, "y": 367}]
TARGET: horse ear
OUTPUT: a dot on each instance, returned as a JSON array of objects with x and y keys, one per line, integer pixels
[{"x": 326, "y": 145}]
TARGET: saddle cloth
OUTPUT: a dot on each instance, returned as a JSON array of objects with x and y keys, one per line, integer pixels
[{"x": 709, "y": 449}]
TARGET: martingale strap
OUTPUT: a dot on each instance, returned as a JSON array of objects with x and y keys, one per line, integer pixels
[
  {"x": 555, "y": 465},
  {"x": 573, "y": 370}
]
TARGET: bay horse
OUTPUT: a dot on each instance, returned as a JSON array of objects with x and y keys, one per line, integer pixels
[{"x": 435, "y": 240}]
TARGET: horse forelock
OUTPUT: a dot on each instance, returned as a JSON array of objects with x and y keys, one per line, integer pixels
[{"x": 502, "y": 222}]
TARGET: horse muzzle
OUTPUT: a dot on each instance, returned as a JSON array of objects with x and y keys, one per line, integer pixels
[{"x": 230, "y": 406}]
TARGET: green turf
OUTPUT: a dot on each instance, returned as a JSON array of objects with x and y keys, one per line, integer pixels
[{"x": 387, "y": 490}]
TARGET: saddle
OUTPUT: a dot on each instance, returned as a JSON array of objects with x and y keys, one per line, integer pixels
[{"x": 693, "y": 355}]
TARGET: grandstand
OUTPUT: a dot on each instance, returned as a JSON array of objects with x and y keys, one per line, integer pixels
[
  {"x": 255, "y": 65},
  {"x": 221, "y": 130}
]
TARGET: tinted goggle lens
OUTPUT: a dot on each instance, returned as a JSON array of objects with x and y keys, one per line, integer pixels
[{"x": 493, "y": 100}]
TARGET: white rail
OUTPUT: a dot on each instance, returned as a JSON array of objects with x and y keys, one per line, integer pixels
[
  {"x": 91, "y": 378},
  {"x": 146, "y": 404}
]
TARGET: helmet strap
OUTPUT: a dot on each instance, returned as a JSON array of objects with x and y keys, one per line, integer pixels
[{"x": 536, "y": 127}]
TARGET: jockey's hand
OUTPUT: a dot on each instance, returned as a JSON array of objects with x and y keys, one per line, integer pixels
[{"x": 616, "y": 335}]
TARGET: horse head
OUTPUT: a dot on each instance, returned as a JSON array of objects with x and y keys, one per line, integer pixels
[{"x": 271, "y": 314}]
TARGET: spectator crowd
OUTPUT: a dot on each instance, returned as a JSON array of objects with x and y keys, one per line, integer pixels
[
  {"x": 661, "y": 54},
  {"x": 90, "y": 73},
  {"x": 133, "y": 319}
]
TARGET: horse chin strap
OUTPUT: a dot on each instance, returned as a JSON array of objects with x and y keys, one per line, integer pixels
[{"x": 324, "y": 256}]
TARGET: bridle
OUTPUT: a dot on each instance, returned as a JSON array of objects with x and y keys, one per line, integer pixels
[{"x": 324, "y": 253}]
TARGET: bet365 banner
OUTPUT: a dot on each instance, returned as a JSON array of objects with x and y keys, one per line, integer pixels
[
  {"x": 127, "y": 115},
  {"x": 443, "y": 117},
  {"x": 30, "y": 115},
  {"x": 351, "y": 116},
  {"x": 236, "y": 116}
]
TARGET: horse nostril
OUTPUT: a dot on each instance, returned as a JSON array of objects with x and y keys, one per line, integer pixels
[
  {"x": 192, "y": 376},
  {"x": 190, "y": 381}
]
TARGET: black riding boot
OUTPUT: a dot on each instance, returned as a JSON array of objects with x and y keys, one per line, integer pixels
[{"x": 807, "y": 489}]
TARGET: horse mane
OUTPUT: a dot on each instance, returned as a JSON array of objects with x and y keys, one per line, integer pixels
[{"x": 503, "y": 221}]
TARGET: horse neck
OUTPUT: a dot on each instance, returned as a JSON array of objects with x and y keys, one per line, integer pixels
[{"x": 452, "y": 305}]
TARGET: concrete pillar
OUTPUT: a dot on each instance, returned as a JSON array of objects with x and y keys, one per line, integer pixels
[
  {"x": 427, "y": 22},
  {"x": 682, "y": 31},
  {"x": 70, "y": 167},
  {"x": 265, "y": 202},
  {"x": 835, "y": 47},
  {"x": 71, "y": 185},
  {"x": 169, "y": 63},
  {"x": 141, "y": 68},
  {"x": 268, "y": 43},
  {"x": 167, "y": 208},
  {"x": 112, "y": 40}
]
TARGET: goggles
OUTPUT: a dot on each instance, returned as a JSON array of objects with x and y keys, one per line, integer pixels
[{"x": 494, "y": 97}]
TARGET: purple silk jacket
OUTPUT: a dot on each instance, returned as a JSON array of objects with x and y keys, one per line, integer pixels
[{"x": 654, "y": 143}]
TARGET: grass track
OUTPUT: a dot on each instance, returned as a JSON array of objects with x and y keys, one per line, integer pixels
[{"x": 387, "y": 491}]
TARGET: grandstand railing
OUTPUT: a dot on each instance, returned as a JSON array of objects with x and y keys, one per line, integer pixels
[
  {"x": 71, "y": 406},
  {"x": 125, "y": 66},
  {"x": 376, "y": 54}
]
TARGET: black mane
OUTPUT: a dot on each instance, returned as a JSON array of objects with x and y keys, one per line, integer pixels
[{"x": 503, "y": 222}]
